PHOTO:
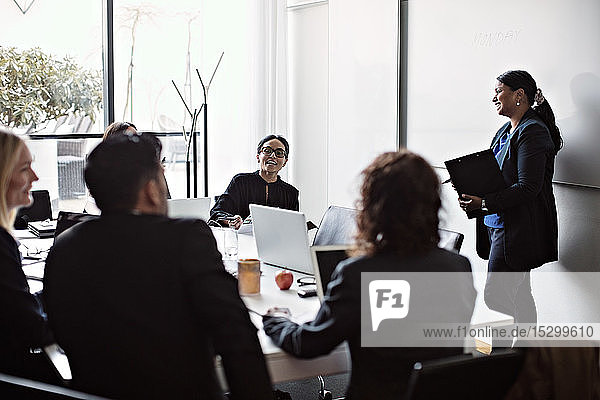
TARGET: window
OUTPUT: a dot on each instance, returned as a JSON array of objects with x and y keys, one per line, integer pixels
[
  {"x": 61, "y": 43},
  {"x": 51, "y": 61},
  {"x": 155, "y": 42}
]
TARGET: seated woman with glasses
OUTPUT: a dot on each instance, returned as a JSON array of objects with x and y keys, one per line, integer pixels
[
  {"x": 397, "y": 233},
  {"x": 263, "y": 187}
]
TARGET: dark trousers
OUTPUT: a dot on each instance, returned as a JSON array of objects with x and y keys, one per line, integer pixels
[{"x": 506, "y": 290}]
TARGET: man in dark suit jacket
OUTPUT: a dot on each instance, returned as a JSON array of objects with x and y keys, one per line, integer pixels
[{"x": 141, "y": 303}]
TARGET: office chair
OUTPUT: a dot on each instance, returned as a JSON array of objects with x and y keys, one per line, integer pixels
[
  {"x": 450, "y": 240},
  {"x": 39, "y": 210},
  {"x": 337, "y": 227},
  {"x": 12, "y": 387},
  {"x": 465, "y": 377}
]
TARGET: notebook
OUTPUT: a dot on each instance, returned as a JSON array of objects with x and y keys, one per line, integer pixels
[{"x": 42, "y": 229}]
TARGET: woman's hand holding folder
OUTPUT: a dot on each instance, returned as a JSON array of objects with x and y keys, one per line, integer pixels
[{"x": 469, "y": 203}]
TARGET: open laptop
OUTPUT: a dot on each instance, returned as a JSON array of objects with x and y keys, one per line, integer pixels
[
  {"x": 325, "y": 259},
  {"x": 67, "y": 219},
  {"x": 190, "y": 208},
  {"x": 281, "y": 238}
]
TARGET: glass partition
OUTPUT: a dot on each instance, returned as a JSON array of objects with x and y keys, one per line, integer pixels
[
  {"x": 52, "y": 54},
  {"x": 60, "y": 163}
]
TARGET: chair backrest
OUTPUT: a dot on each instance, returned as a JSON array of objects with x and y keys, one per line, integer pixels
[
  {"x": 450, "y": 240},
  {"x": 12, "y": 387},
  {"x": 39, "y": 210},
  {"x": 190, "y": 208},
  {"x": 465, "y": 377},
  {"x": 337, "y": 227}
]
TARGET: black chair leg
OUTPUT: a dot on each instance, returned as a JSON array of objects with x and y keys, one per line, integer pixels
[{"x": 323, "y": 394}]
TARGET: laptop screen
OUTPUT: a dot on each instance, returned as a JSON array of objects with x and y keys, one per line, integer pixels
[
  {"x": 66, "y": 220},
  {"x": 325, "y": 260},
  {"x": 281, "y": 238}
]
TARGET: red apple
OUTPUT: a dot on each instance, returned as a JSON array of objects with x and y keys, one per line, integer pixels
[{"x": 284, "y": 279}]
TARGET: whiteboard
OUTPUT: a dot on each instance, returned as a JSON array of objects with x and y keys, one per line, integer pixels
[{"x": 455, "y": 51}]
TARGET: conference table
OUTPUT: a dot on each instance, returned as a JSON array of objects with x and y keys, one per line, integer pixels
[{"x": 282, "y": 366}]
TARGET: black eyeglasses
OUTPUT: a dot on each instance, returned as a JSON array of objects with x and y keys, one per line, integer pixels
[{"x": 268, "y": 150}]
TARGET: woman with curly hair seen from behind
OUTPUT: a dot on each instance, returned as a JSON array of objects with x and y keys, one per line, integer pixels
[{"x": 397, "y": 232}]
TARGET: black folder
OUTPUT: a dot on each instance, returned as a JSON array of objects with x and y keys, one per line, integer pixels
[{"x": 476, "y": 174}]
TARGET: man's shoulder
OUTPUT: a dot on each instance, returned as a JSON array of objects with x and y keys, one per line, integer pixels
[
  {"x": 174, "y": 228},
  {"x": 141, "y": 228},
  {"x": 188, "y": 226}
]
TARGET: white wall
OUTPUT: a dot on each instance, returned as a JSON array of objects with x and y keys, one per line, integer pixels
[
  {"x": 455, "y": 51},
  {"x": 355, "y": 125},
  {"x": 343, "y": 96},
  {"x": 308, "y": 51},
  {"x": 363, "y": 91}
]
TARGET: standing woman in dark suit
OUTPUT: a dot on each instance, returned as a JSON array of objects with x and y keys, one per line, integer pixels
[
  {"x": 522, "y": 228},
  {"x": 23, "y": 324}
]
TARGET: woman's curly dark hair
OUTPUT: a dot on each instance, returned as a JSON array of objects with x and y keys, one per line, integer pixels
[{"x": 400, "y": 200}]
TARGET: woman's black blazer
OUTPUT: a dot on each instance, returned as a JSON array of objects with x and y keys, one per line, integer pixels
[{"x": 527, "y": 205}]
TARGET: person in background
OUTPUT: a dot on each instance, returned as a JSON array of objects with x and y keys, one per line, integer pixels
[
  {"x": 397, "y": 232},
  {"x": 126, "y": 127},
  {"x": 264, "y": 187},
  {"x": 521, "y": 231},
  {"x": 117, "y": 128},
  {"x": 141, "y": 303},
  {"x": 23, "y": 324}
]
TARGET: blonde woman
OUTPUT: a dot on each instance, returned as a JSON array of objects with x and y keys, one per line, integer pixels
[{"x": 23, "y": 324}]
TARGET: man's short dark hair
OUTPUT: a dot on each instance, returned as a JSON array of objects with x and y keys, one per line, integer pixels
[
  {"x": 283, "y": 140},
  {"x": 119, "y": 166}
]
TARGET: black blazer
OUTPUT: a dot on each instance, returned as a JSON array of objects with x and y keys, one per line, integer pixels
[
  {"x": 250, "y": 188},
  {"x": 141, "y": 304},
  {"x": 527, "y": 205},
  {"x": 23, "y": 323},
  {"x": 377, "y": 373}
]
